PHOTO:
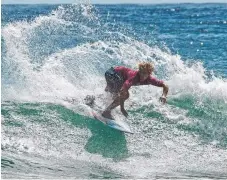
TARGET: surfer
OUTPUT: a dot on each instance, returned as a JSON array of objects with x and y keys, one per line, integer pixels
[{"x": 119, "y": 79}]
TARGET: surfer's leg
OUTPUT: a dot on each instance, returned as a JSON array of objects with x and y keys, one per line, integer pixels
[
  {"x": 107, "y": 112},
  {"x": 114, "y": 104}
]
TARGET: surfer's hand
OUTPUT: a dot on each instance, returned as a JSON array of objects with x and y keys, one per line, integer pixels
[
  {"x": 124, "y": 112},
  {"x": 162, "y": 99}
]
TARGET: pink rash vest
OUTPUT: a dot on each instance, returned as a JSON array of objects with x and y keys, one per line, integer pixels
[{"x": 132, "y": 78}]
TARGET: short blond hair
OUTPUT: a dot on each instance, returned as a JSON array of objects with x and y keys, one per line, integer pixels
[{"x": 146, "y": 66}]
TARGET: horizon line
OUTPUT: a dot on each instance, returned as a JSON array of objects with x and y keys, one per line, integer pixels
[{"x": 116, "y": 3}]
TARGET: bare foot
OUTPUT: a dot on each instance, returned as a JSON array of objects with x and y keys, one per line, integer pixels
[{"x": 107, "y": 114}]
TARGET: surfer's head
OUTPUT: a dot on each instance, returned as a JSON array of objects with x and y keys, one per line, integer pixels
[{"x": 145, "y": 69}]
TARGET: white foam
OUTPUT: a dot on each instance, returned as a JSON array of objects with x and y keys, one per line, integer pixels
[{"x": 35, "y": 75}]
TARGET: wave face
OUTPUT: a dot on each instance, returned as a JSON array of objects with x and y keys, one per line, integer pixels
[{"x": 53, "y": 56}]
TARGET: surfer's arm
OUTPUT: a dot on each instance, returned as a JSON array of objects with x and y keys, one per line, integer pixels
[
  {"x": 159, "y": 83},
  {"x": 164, "y": 93},
  {"x": 165, "y": 90},
  {"x": 123, "y": 95}
]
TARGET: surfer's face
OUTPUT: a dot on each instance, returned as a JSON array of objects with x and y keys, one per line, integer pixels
[{"x": 144, "y": 74}]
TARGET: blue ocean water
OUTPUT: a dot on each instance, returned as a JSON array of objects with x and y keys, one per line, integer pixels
[{"x": 55, "y": 55}]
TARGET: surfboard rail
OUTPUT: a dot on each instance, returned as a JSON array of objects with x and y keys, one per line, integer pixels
[{"x": 115, "y": 124}]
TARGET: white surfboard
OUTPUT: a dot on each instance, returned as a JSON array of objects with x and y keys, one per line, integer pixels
[{"x": 115, "y": 124}]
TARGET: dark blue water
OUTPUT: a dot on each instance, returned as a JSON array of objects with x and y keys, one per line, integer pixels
[
  {"x": 52, "y": 54},
  {"x": 195, "y": 32}
]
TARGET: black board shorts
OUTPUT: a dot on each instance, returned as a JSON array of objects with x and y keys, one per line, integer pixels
[{"x": 114, "y": 80}]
